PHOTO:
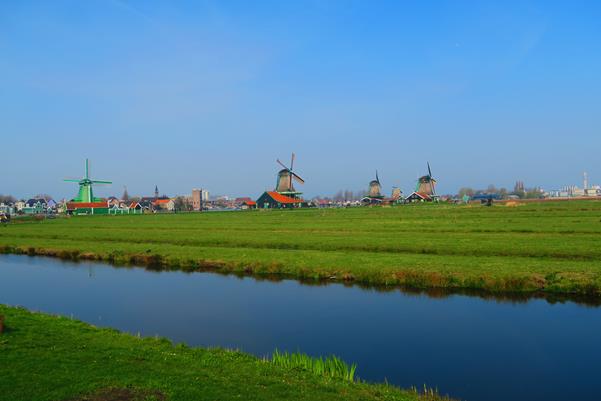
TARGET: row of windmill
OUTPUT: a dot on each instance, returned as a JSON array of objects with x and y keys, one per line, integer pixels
[
  {"x": 425, "y": 189},
  {"x": 285, "y": 194}
]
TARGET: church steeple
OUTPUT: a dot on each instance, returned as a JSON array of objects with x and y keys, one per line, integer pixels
[{"x": 156, "y": 192}]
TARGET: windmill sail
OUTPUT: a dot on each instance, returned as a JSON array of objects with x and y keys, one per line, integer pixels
[{"x": 285, "y": 178}]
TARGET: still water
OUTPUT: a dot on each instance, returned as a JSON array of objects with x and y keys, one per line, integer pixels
[{"x": 466, "y": 346}]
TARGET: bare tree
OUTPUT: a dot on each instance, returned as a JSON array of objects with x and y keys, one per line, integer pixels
[
  {"x": 46, "y": 197},
  {"x": 466, "y": 191},
  {"x": 7, "y": 199}
]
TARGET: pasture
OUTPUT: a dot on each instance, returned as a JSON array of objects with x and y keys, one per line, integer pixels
[{"x": 549, "y": 247}]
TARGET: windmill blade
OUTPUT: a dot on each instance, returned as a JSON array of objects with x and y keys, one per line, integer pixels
[
  {"x": 101, "y": 182},
  {"x": 292, "y": 161},
  {"x": 429, "y": 171},
  {"x": 71, "y": 180},
  {"x": 297, "y": 178},
  {"x": 377, "y": 178},
  {"x": 282, "y": 164}
]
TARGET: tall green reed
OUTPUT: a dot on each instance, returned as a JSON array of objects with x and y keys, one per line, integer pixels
[{"x": 330, "y": 366}]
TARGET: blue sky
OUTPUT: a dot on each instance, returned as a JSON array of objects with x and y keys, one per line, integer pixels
[{"x": 209, "y": 94}]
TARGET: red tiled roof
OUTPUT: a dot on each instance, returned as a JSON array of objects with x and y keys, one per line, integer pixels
[
  {"x": 161, "y": 201},
  {"x": 250, "y": 203},
  {"x": 80, "y": 205},
  {"x": 134, "y": 204},
  {"x": 282, "y": 198},
  {"x": 422, "y": 195}
]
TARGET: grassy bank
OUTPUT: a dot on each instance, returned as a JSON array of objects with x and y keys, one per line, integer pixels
[
  {"x": 45, "y": 357},
  {"x": 549, "y": 247}
]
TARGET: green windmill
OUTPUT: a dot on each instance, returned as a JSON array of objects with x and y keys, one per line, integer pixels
[{"x": 85, "y": 194}]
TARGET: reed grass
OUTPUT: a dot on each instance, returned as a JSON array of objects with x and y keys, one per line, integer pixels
[{"x": 330, "y": 366}]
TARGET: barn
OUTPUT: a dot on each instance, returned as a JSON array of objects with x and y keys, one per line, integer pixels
[{"x": 274, "y": 200}]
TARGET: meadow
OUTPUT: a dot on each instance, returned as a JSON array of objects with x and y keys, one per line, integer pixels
[
  {"x": 549, "y": 247},
  {"x": 44, "y": 357}
]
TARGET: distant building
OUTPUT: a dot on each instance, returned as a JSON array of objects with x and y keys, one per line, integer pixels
[
  {"x": 117, "y": 208},
  {"x": 19, "y": 205},
  {"x": 135, "y": 208},
  {"x": 34, "y": 206},
  {"x": 519, "y": 187},
  {"x": 248, "y": 204},
  {"x": 199, "y": 198},
  {"x": 7, "y": 209},
  {"x": 112, "y": 201}
]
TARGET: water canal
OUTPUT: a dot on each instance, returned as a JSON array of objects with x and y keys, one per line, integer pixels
[{"x": 468, "y": 347}]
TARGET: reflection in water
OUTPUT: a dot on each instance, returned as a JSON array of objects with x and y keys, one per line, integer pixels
[
  {"x": 472, "y": 345},
  {"x": 440, "y": 293}
]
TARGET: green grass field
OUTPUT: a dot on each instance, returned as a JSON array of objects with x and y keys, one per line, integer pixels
[
  {"x": 44, "y": 357},
  {"x": 551, "y": 246}
]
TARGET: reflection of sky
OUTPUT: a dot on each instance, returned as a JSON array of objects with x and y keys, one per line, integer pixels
[
  {"x": 469, "y": 347},
  {"x": 488, "y": 92}
]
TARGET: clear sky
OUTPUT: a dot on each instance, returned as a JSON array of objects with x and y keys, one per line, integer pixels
[{"x": 208, "y": 94}]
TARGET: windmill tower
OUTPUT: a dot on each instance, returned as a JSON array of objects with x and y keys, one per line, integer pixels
[
  {"x": 374, "y": 194},
  {"x": 286, "y": 178},
  {"x": 427, "y": 184},
  {"x": 85, "y": 194},
  {"x": 375, "y": 188}
]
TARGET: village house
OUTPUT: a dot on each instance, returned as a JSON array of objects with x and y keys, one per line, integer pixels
[
  {"x": 167, "y": 205},
  {"x": 135, "y": 208},
  {"x": 19, "y": 205},
  {"x": 7, "y": 209},
  {"x": 418, "y": 197},
  {"x": 34, "y": 206}
]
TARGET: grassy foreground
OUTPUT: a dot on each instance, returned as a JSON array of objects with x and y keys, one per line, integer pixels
[
  {"x": 550, "y": 247},
  {"x": 45, "y": 357}
]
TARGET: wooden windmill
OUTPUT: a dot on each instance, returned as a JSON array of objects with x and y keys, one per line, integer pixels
[
  {"x": 375, "y": 188},
  {"x": 286, "y": 178},
  {"x": 374, "y": 196},
  {"x": 427, "y": 184}
]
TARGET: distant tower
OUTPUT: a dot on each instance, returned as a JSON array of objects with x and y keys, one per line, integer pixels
[
  {"x": 519, "y": 187},
  {"x": 197, "y": 199},
  {"x": 156, "y": 192},
  {"x": 585, "y": 181}
]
